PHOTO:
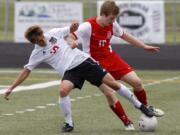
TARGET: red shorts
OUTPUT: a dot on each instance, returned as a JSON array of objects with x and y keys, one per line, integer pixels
[{"x": 115, "y": 65}]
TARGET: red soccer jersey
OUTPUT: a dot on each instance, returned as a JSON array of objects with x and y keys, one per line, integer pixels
[
  {"x": 100, "y": 40},
  {"x": 96, "y": 41}
]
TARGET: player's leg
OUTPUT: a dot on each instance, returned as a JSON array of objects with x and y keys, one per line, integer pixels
[
  {"x": 121, "y": 90},
  {"x": 109, "y": 94},
  {"x": 71, "y": 79},
  {"x": 95, "y": 74},
  {"x": 132, "y": 79},
  {"x": 117, "y": 68},
  {"x": 116, "y": 106},
  {"x": 65, "y": 105},
  {"x": 121, "y": 70},
  {"x": 111, "y": 82}
]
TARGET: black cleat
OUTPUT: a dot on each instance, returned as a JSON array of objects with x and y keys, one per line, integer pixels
[
  {"x": 67, "y": 128},
  {"x": 147, "y": 111},
  {"x": 157, "y": 112}
]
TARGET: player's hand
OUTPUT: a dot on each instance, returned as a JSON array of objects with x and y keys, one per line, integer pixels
[
  {"x": 7, "y": 93},
  {"x": 74, "y": 44},
  {"x": 74, "y": 26},
  {"x": 152, "y": 48}
]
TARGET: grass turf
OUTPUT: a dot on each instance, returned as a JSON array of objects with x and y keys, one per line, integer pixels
[{"x": 92, "y": 116}]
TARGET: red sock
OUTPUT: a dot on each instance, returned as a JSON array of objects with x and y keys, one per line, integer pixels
[
  {"x": 119, "y": 111},
  {"x": 141, "y": 96}
]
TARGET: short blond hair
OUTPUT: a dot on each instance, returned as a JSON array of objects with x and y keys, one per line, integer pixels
[{"x": 109, "y": 7}]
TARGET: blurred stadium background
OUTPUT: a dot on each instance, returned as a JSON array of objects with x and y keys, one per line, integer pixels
[
  {"x": 172, "y": 18},
  {"x": 32, "y": 112},
  {"x": 169, "y": 47}
]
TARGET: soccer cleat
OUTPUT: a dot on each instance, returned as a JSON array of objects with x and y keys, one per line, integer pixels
[
  {"x": 129, "y": 127},
  {"x": 67, "y": 128},
  {"x": 157, "y": 112},
  {"x": 147, "y": 111}
]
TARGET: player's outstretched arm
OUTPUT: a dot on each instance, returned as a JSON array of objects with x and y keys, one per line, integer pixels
[
  {"x": 21, "y": 77},
  {"x": 138, "y": 43}
]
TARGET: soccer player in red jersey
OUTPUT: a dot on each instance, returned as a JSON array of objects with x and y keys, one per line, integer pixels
[{"x": 95, "y": 35}]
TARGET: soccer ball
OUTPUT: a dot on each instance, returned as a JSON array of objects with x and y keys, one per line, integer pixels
[{"x": 147, "y": 124}]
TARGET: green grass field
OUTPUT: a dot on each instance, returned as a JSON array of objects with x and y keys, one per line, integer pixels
[{"x": 91, "y": 114}]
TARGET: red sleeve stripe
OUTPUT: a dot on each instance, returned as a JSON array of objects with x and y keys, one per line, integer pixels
[{"x": 74, "y": 35}]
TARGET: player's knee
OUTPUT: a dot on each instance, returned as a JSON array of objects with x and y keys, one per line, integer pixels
[
  {"x": 64, "y": 92},
  {"x": 111, "y": 82},
  {"x": 137, "y": 85}
]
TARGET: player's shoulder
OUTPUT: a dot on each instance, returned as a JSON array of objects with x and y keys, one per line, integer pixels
[
  {"x": 85, "y": 25},
  {"x": 92, "y": 19},
  {"x": 115, "y": 23},
  {"x": 59, "y": 30},
  {"x": 56, "y": 33},
  {"x": 51, "y": 31},
  {"x": 35, "y": 52}
]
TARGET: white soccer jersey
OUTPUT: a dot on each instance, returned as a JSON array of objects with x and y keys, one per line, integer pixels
[{"x": 57, "y": 53}]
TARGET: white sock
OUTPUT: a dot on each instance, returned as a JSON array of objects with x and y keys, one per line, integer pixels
[
  {"x": 126, "y": 92},
  {"x": 65, "y": 106}
]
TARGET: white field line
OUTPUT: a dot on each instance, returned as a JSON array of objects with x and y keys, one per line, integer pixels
[
  {"x": 4, "y": 86},
  {"x": 164, "y": 80},
  {"x": 34, "y": 86},
  {"x": 57, "y": 82},
  {"x": 35, "y": 71}
]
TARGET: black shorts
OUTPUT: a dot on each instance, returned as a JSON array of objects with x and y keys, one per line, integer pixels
[{"x": 88, "y": 70}]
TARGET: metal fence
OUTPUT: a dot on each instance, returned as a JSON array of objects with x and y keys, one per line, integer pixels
[{"x": 172, "y": 18}]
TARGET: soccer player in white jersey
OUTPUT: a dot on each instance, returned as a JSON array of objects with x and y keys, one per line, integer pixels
[{"x": 74, "y": 65}]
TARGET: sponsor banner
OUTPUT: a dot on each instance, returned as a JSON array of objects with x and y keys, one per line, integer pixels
[
  {"x": 46, "y": 14},
  {"x": 143, "y": 19}
]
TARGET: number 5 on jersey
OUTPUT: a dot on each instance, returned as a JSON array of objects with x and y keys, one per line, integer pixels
[{"x": 54, "y": 49}]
